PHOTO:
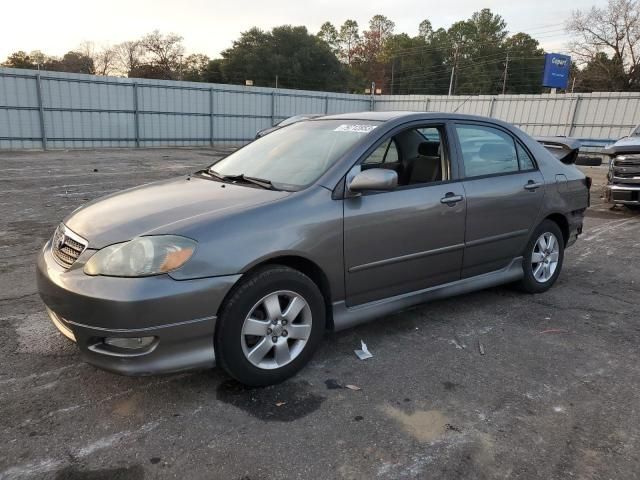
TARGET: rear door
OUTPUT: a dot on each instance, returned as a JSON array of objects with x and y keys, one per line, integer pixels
[
  {"x": 504, "y": 191},
  {"x": 406, "y": 239}
]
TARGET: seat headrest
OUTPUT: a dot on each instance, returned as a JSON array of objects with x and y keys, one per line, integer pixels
[
  {"x": 429, "y": 149},
  {"x": 496, "y": 151}
]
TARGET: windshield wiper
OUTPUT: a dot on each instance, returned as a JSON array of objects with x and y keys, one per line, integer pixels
[{"x": 261, "y": 182}]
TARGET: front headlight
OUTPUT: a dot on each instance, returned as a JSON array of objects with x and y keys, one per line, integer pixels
[{"x": 141, "y": 257}]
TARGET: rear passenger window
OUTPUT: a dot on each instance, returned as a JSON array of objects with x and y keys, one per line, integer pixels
[
  {"x": 526, "y": 162},
  {"x": 486, "y": 150}
]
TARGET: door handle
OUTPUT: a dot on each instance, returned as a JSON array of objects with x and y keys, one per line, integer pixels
[
  {"x": 451, "y": 199},
  {"x": 532, "y": 186}
]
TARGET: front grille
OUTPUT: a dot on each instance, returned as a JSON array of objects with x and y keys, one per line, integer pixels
[
  {"x": 626, "y": 161},
  {"x": 67, "y": 246}
]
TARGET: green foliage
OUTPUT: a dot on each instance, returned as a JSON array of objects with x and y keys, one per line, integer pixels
[
  {"x": 19, "y": 59},
  {"x": 298, "y": 59},
  {"x": 73, "y": 62}
]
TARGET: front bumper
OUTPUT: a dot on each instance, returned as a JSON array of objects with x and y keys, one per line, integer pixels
[
  {"x": 180, "y": 316},
  {"x": 622, "y": 194}
]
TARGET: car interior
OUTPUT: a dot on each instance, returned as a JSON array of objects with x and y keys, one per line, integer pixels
[{"x": 417, "y": 155}]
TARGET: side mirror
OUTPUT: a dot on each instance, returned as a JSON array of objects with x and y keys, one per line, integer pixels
[{"x": 374, "y": 179}]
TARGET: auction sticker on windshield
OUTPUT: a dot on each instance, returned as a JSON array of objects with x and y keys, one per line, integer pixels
[{"x": 355, "y": 128}]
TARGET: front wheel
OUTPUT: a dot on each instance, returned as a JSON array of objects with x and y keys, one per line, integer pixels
[
  {"x": 270, "y": 326},
  {"x": 543, "y": 258}
]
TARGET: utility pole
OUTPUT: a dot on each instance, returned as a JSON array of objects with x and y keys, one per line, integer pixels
[
  {"x": 506, "y": 72},
  {"x": 393, "y": 65},
  {"x": 453, "y": 70}
]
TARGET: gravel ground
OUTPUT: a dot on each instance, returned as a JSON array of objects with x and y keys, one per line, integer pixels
[{"x": 554, "y": 396}]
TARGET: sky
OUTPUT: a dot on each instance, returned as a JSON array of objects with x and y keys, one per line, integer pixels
[{"x": 210, "y": 26}]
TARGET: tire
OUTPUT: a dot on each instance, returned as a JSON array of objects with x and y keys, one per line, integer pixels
[
  {"x": 249, "y": 346},
  {"x": 536, "y": 280}
]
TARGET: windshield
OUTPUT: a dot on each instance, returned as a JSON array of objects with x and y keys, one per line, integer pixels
[
  {"x": 636, "y": 132},
  {"x": 296, "y": 156}
]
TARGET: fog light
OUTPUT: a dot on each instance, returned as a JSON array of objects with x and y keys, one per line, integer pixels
[{"x": 130, "y": 343}]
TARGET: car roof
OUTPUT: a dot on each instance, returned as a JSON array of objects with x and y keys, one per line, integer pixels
[{"x": 394, "y": 115}]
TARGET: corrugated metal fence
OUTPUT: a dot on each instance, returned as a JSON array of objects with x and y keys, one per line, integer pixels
[
  {"x": 62, "y": 110},
  {"x": 602, "y": 116}
]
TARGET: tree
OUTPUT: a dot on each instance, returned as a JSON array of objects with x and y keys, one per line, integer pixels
[
  {"x": 601, "y": 74},
  {"x": 194, "y": 67},
  {"x": 128, "y": 56},
  {"x": 148, "y": 70},
  {"x": 213, "y": 72},
  {"x": 300, "y": 60},
  {"x": 72, "y": 62},
  {"x": 425, "y": 30},
  {"x": 477, "y": 50},
  {"x": 104, "y": 58},
  {"x": 609, "y": 41},
  {"x": 330, "y": 36},
  {"x": 368, "y": 54},
  {"x": 163, "y": 52},
  {"x": 526, "y": 64},
  {"x": 19, "y": 59},
  {"x": 349, "y": 38},
  {"x": 416, "y": 64}
]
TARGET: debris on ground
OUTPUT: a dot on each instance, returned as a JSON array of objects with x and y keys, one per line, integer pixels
[
  {"x": 364, "y": 352},
  {"x": 555, "y": 330},
  {"x": 279, "y": 404},
  {"x": 458, "y": 346},
  {"x": 353, "y": 387},
  {"x": 332, "y": 384},
  {"x": 481, "y": 348}
]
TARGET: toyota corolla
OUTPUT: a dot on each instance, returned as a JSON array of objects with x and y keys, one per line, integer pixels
[{"x": 319, "y": 225}]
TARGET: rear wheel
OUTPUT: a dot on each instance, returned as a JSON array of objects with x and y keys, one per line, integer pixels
[
  {"x": 543, "y": 258},
  {"x": 270, "y": 326}
]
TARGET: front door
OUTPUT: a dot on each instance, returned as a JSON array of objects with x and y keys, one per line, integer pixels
[{"x": 412, "y": 237}]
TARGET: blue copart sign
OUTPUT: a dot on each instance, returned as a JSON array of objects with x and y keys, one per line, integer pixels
[{"x": 556, "y": 70}]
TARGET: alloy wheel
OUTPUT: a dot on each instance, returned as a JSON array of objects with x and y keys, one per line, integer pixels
[
  {"x": 545, "y": 257},
  {"x": 276, "y": 329}
]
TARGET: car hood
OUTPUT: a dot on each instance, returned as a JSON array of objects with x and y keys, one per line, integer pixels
[
  {"x": 624, "y": 145},
  {"x": 162, "y": 208}
]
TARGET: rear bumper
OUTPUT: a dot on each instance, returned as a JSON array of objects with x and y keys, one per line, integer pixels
[
  {"x": 575, "y": 220},
  {"x": 622, "y": 194},
  {"x": 176, "y": 319}
]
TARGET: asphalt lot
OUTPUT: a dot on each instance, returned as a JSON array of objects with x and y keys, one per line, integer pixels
[{"x": 554, "y": 396}]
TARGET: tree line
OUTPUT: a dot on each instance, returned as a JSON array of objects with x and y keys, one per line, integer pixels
[{"x": 483, "y": 55}]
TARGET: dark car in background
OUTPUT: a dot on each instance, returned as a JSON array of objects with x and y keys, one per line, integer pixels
[
  {"x": 288, "y": 121},
  {"x": 321, "y": 225}
]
